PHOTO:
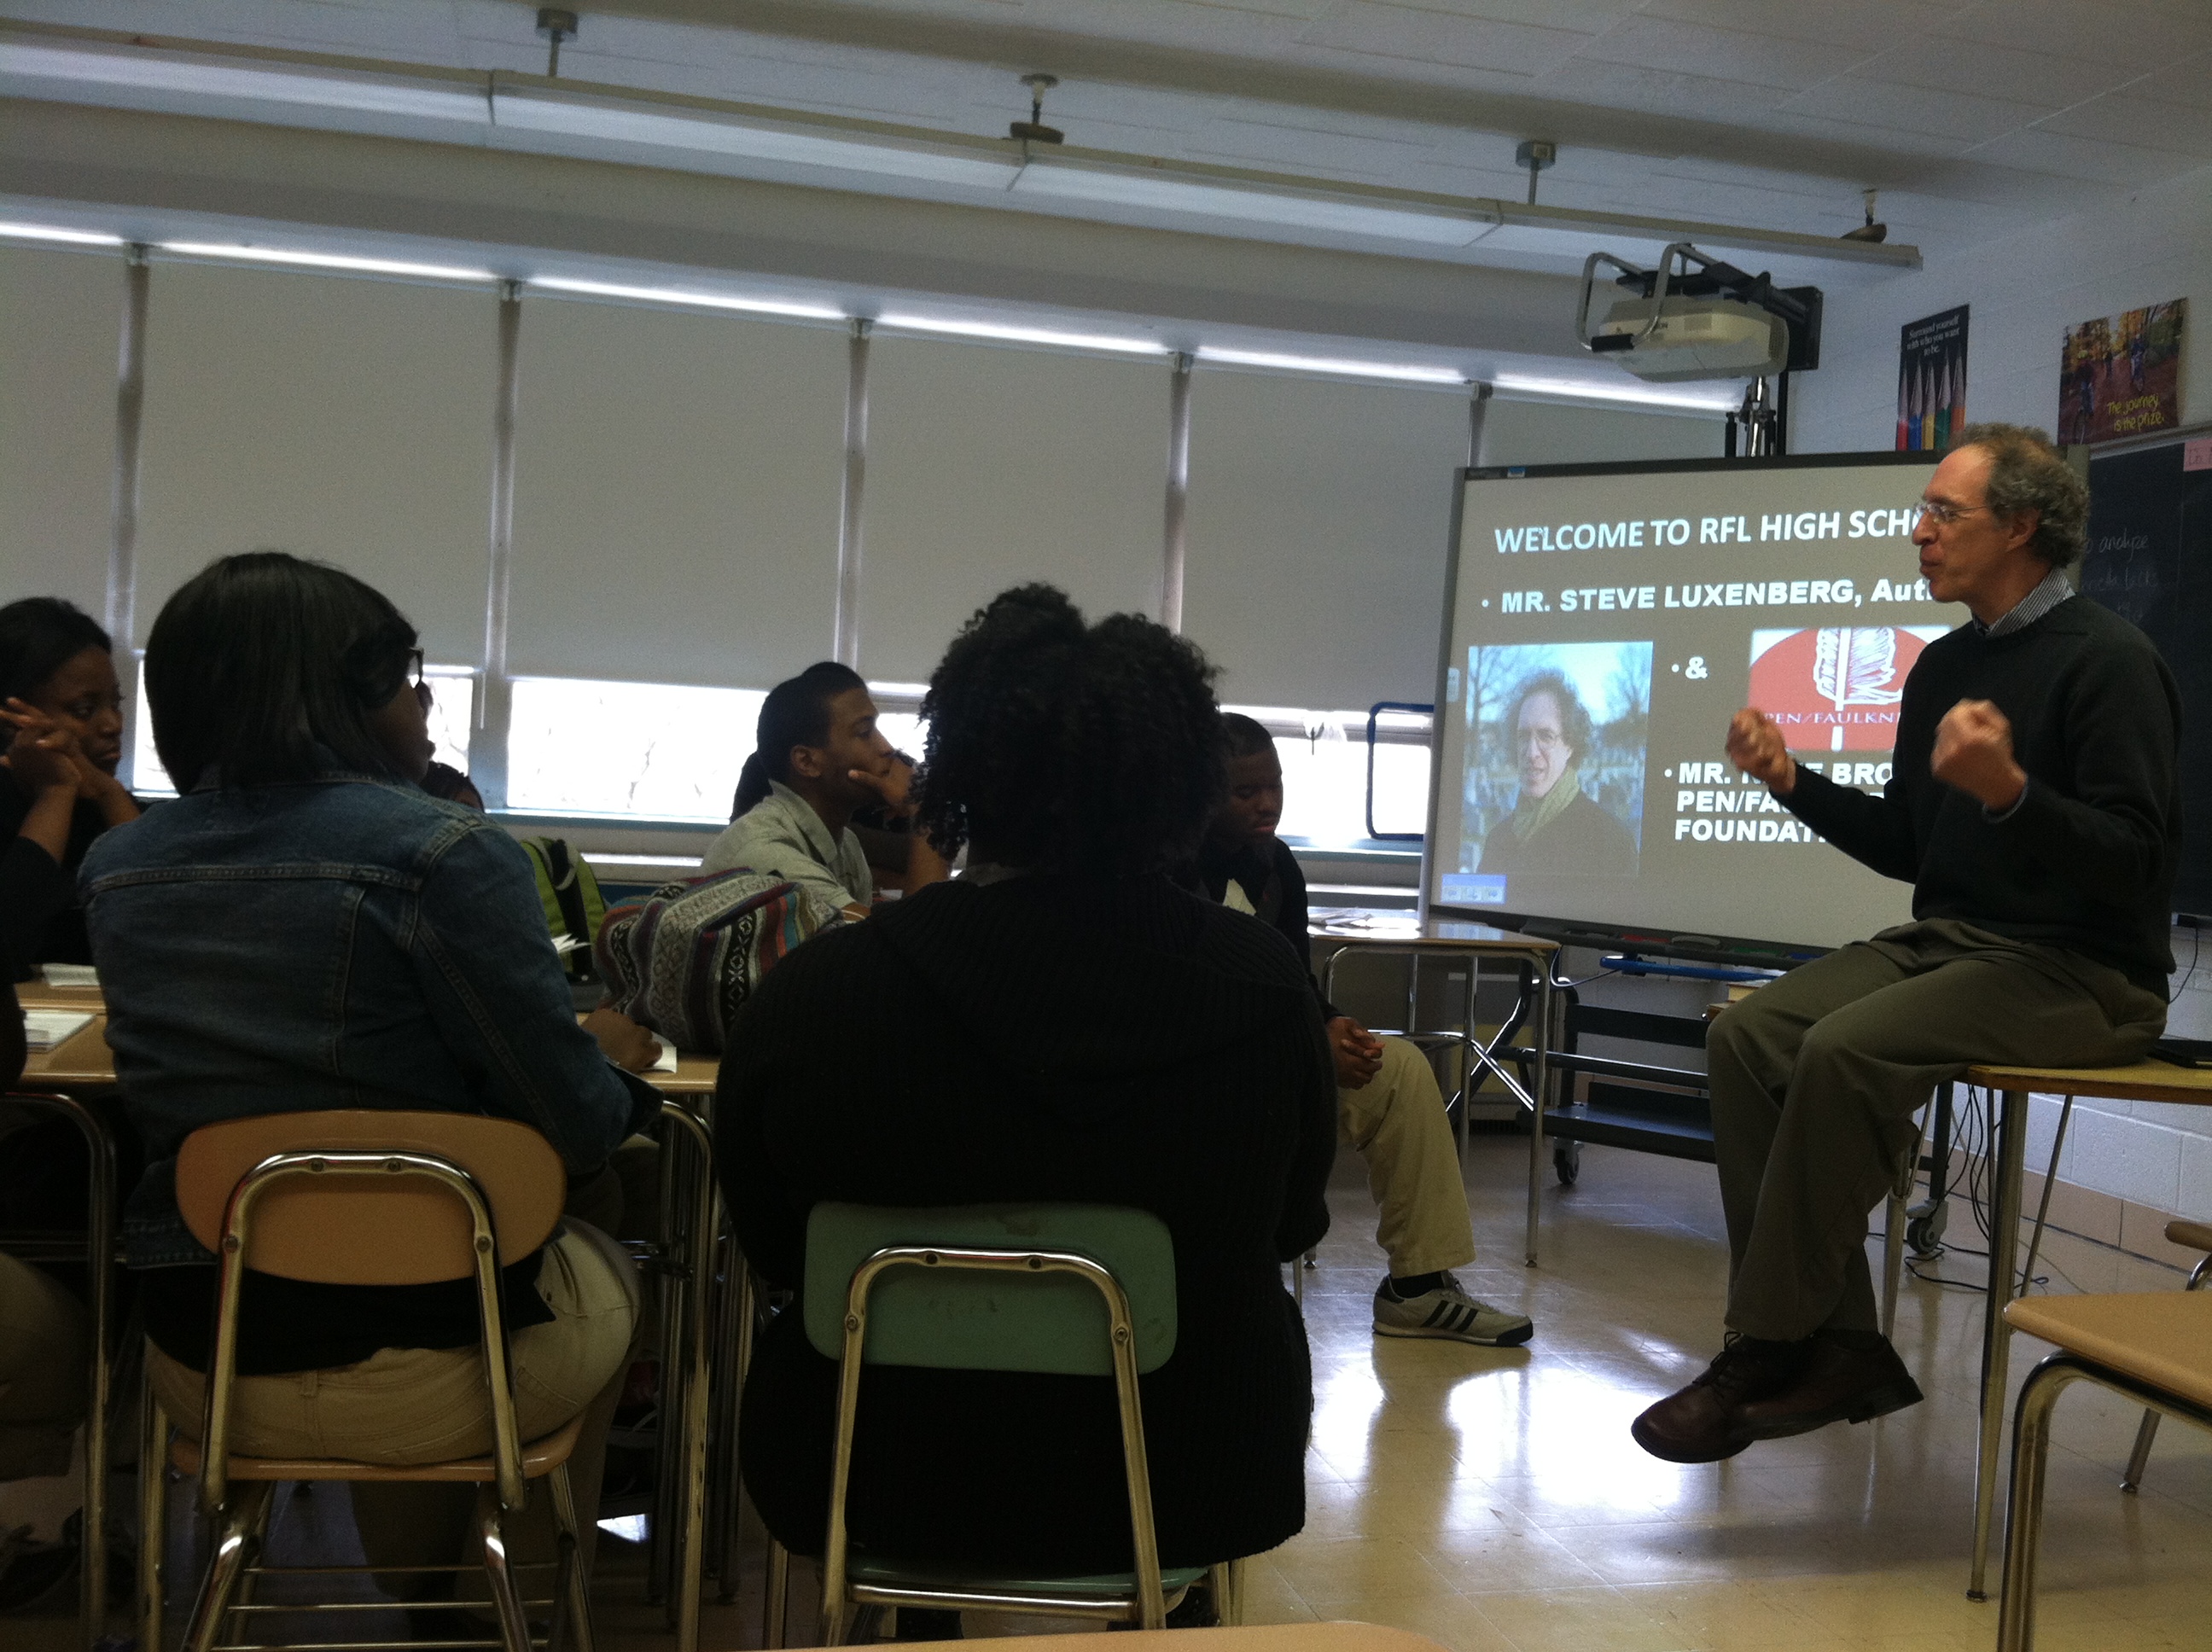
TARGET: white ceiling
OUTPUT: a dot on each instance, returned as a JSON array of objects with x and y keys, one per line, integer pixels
[{"x": 1976, "y": 120}]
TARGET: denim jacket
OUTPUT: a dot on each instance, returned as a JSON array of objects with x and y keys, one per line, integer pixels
[{"x": 339, "y": 943}]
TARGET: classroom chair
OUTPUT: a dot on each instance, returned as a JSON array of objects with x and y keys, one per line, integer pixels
[
  {"x": 1072, "y": 1289},
  {"x": 95, "y": 1249},
  {"x": 2154, "y": 1347},
  {"x": 2196, "y": 1236},
  {"x": 365, "y": 1198}
]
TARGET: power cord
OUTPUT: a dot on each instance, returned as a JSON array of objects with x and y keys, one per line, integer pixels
[{"x": 1971, "y": 1125}]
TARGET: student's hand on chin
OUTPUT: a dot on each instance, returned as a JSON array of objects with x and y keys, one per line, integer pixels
[
  {"x": 892, "y": 785},
  {"x": 622, "y": 1041}
]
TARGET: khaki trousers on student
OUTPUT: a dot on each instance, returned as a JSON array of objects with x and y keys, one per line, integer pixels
[
  {"x": 44, "y": 1343},
  {"x": 1396, "y": 1121},
  {"x": 1815, "y": 1078},
  {"x": 429, "y": 1405}
]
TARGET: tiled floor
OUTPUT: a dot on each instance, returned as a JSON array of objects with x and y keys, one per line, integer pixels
[{"x": 1494, "y": 1500}]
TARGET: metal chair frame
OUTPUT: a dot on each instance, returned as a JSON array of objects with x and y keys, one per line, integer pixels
[
  {"x": 97, "y": 1251},
  {"x": 2031, "y": 1451},
  {"x": 2146, "y": 1430},
  {"x": 1149, "y": 1606},
  {"x": 240, "y": 1521}
]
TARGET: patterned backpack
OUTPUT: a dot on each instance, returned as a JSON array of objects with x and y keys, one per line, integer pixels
[{"x": 684, "y": 959}]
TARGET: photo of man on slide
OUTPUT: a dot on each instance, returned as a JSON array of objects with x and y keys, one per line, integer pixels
[
  {"x": 1562, "y": 759},
  {"x": 2034, "y": 807}
]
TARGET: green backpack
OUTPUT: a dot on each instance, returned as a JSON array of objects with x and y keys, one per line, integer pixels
[{"x": 569, "y": 891}]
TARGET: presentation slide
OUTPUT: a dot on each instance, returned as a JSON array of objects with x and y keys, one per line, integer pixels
[{"x": 1605, "y": 623}]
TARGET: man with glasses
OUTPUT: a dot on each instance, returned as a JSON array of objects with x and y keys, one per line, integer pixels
[
  {"x": 1555, "y": 826},
  {"x": 2035, "y": 810}
]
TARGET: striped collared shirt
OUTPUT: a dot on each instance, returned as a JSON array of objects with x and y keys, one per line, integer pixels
[{"x": 2046, "y": 596}]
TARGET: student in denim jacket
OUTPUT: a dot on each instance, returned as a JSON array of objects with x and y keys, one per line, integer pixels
[{"x": 306, "y": 928}]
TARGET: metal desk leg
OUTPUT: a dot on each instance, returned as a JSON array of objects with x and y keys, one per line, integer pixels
[
  {"x": 688, "y": 1551},
  {"x": 2009, "y": 1127},
  {"x": 1540, "y": 1089}
]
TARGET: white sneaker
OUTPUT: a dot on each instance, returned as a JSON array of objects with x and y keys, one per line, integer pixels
[{"x": 1449, "y": 1313}]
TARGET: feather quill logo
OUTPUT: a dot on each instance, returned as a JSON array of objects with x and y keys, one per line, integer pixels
[
  {"x": 1855, "y": 665},
  {"x": 1835, "y": 688}
]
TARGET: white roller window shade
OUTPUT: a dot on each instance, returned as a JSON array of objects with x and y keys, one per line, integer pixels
[
  {"x": 989, "y": 467},
  {"x": 1320, "y": 514},
  {"x": 341, "y": 419},
  {"x": 60, "y": 325},
  {"x": 676, "y": 497}
]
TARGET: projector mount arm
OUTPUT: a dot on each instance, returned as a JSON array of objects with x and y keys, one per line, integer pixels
[{"x": 1799, "y": 308}]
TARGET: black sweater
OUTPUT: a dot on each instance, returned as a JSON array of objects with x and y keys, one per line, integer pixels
[
  {"x": 1041, "y": 1039},
  {"x": 2086, "y": 861},
  {"x": 40, "y": 921}
]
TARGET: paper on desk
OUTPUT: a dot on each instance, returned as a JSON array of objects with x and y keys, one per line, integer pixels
[
  {"x": 69, "y": 975},
  {"x": 46, "y": 1030},
  {"x": 665, "y": 1062}
]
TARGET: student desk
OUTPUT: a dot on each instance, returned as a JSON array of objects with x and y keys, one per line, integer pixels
[
  {"x": 1376, "y": 933},
  {"x": 1251, "y": 1637},
  {"x": 2144, "y": 1081}
]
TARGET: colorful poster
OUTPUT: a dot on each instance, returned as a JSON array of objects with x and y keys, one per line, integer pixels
[
  {"x": 2121, "y": 375},
  {"x": 1931, "y": 381}
]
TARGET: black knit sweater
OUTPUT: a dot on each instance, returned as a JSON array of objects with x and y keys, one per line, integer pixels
[
  {"x": 2086, "y": 861},
  {"x": 1041, "y": 1039}
]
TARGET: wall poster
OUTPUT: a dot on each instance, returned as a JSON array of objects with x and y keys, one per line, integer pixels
[
  {"x": 1931, "y": 381},
  {"x": 2120, "y": 375}
]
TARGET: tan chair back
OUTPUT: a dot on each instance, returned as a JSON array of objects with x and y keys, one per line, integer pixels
[{"x": 352, "y": 1232}]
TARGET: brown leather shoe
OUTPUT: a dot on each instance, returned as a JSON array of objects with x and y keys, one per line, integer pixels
[
  {"x": 1697, "y": 1423},
  {"x": 1850, "y": 1376}
]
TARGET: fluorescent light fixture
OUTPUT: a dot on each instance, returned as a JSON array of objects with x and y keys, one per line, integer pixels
[
  {"x": 676, "y": 296},
  {"x": 711, "y": 132},
  {"x": 142, "y": 68},
  {"x": 899, "y": 691},
  {"x": 1074, "y": 341},
  {"x": 74, "y": 237},
  {"x": 1419, "y": 375},
  {"x": 1688, "y": 399},
  {"x": 323, "y": 261},
  {"x": 1073, "y": 181}
]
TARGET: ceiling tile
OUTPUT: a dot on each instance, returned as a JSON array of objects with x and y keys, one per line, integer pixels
[
  {"x": 1732, "y": 54},
  {"x": 2189, "y": 82},
  {"x": 2084, "y": 157},
  {"x": 1293, "y": 148},
  {"x": 1868, "y": 25},
  {"x": 1366, "y": 29},
  {"x": 1624, "y": 86},
  {"x": 2123, "y": 117},
  {"x": 1944, "y": 65},
  {"x": 2133, "y": 34},
  {"x": 1881, "y": 104}
]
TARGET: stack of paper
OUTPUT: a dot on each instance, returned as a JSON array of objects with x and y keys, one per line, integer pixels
[{"x": 46, "y": 1030}]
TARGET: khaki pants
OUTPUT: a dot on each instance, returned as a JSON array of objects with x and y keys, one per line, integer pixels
[
  {"x": 44, "y": 1344},
  {"x": 1396, "y": 1121},
  {"x": 1815, "y": 1078},
  {"x": 404, "y": 1405}
]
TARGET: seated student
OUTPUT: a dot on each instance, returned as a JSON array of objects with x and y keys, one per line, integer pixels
[
  {"x": 818, "y": 760},
  {"x": 1387, "y": 1099},
  {"x": 44, "y": 1350},
  {"x": 1062, "y": 1024},
  {"x": 304, "y": 928},
  {"x": 61, "y": 721}
]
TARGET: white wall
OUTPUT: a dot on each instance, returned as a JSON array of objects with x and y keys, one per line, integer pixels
[{"x": 2141, "y": 248}]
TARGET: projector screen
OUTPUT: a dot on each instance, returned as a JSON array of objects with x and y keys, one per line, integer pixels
[{"x": 1603, "y": 624}]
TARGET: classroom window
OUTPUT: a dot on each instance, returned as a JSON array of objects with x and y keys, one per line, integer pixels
[
  {"x": 1324, "y": 775},
  {"x": 657, "y": 750},
  {"x": 453, "y": 706}
]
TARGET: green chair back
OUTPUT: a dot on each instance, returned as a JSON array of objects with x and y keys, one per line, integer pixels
[{"x": 998, "y": 1321}]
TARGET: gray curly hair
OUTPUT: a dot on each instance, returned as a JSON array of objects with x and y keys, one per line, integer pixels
[{"x": 2027, "y": 473}]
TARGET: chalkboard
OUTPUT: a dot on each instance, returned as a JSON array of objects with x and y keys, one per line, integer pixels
[{"x": 2149, "y": 559}]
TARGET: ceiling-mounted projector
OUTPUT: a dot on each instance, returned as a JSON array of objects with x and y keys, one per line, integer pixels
[{"x": 1712, "y": 322}]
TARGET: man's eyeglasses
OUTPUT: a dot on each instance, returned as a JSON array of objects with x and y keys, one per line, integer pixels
[{"x": 1942, "y": 513}]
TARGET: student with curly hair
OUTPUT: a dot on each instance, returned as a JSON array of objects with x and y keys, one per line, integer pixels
[{"x": 1063, "y": 1024}]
